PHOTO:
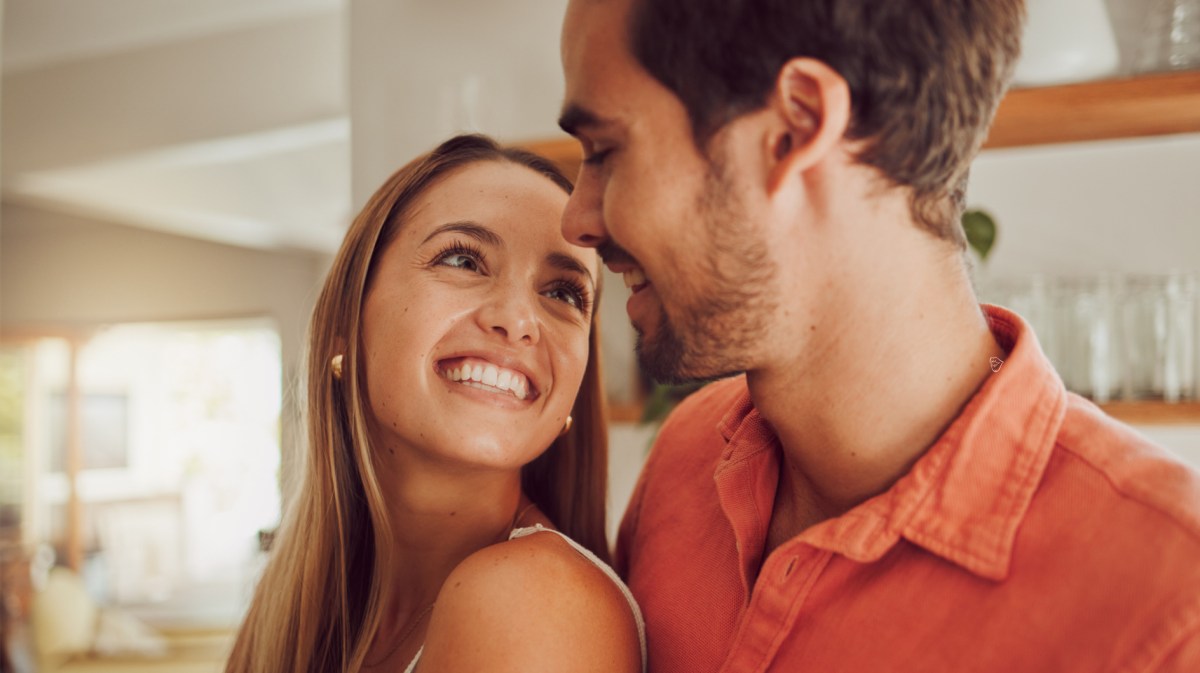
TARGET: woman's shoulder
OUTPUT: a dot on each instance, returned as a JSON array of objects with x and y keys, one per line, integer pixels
[
  {"x": 546, "y": 560},
  {"x": 533, "y": 602}
]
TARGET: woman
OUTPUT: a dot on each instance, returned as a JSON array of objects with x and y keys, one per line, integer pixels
[{"x": 455, "y": 418}]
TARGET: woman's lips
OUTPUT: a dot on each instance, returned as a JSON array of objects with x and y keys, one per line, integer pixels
[{"x": 479, "y": 373}]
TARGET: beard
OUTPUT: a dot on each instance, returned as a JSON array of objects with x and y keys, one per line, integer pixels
[{"x": 722, "y": 308}]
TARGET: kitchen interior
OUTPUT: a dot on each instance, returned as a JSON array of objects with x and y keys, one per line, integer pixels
[{"x": 177, "y": 175}]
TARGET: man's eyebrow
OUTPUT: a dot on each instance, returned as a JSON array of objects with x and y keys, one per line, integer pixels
[
  {"x": 576, "y": 117},
  {"x": 472, "y": 229},
  {"x": 568, "y": 263}
]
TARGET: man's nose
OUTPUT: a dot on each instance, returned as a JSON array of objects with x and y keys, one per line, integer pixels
[{"x": 583, "y": 219}]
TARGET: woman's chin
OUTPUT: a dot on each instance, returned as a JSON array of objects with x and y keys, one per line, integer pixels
[{"x": 496, "y": 449}]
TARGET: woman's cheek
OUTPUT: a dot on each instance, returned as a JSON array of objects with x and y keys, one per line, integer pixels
[{"x": 579, "y": 360}]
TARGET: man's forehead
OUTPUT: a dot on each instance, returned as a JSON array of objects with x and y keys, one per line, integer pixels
[
  {"x": 595, "y": 58},
  {"x": 593, "y": 26}
]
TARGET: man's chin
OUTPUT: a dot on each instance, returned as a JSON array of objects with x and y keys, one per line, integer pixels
[
  {"x": 661, "y": 355},
  {"x": 666, "y": 359}
]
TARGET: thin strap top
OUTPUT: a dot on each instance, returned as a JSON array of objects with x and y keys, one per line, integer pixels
[{"x": 587, "y": 554}]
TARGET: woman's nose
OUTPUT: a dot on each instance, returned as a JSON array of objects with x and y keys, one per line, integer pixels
[
  {"x": 583, "y": 219},
  {"x": 512, "y": 315}
]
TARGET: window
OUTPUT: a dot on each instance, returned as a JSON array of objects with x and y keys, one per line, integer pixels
[{"x": 178, "y": 428}]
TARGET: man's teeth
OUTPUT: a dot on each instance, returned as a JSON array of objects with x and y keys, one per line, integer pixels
[
  {"x": 634, "y": 277},
  {"x": 487, "y": 376}
]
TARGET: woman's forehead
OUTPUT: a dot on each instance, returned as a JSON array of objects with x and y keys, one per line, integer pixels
[{"x": 523, "y": 207}]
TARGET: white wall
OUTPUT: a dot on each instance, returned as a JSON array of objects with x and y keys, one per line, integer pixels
[
  {"x": 58, "y": 270},
  {"x": 1126, "y": 206},
  {"x": 415, "y": 64},
  {"x": 256, "y": 78}
]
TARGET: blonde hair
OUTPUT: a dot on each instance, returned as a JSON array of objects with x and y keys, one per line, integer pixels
[{"x": 318, "y": 604}]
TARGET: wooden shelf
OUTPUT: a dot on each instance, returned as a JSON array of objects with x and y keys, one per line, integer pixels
[
  {"x": 1148, "y": 105},
  {"x": 564, "y": 152},
  {"x": 625, "y": 412},
  {"x": 1154, "y": 413},
  {"x": 1133, "y": 413}
]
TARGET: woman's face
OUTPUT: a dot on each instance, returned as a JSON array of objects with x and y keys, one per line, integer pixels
[{"x": 476, "y": 322}]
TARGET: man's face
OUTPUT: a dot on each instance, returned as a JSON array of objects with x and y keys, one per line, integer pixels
[{"x": 680, "y": 228}]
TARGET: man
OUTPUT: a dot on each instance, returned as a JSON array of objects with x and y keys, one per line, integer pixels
[{"x": 899, "y": 480}]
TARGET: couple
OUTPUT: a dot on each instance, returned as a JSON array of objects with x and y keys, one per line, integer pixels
[{"x": 780, "y": 185}]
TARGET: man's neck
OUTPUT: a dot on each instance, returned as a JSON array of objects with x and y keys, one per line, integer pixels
[{"x": 879, "y": 379}]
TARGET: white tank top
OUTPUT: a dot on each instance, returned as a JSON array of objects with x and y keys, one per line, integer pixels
[{"x": 587, "y": 554}]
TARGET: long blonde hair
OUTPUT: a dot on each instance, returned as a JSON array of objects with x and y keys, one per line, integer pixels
[{"x": 319, "y": 601}]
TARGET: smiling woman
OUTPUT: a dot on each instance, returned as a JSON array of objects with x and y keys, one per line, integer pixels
[{"x": 455, "y": 412}]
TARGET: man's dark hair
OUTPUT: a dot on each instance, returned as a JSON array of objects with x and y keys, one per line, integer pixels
[{"x": 925, "y": 76}]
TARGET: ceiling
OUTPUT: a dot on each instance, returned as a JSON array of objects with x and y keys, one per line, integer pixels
[{"x": 224, "y": 119}]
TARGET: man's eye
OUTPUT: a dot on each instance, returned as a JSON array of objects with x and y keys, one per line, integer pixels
[{"x": 596, "y": 158}]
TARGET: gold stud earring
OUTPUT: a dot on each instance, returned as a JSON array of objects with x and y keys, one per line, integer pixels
[
  {"x": 566, "y": 426},
  {"x": 336, "y": 365}
]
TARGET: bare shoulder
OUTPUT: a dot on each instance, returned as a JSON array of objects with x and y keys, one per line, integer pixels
[{"x": 531, "y": 604}]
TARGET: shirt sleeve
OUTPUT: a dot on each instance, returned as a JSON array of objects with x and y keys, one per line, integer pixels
[{"x": 627, "y": 532}]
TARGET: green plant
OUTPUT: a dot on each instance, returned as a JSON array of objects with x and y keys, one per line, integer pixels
[
  {"x": 663, "y": 398},
  {"x": 980, "y": 229}
]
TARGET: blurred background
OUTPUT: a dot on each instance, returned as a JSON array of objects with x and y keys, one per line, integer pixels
[{"x": 176, "y": 174}]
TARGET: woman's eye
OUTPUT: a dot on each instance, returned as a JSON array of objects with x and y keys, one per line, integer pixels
[
  {"x": 570, "y": 295},
  {"x": 460, "y": 260},
  {"x": 460, "y": 256}
]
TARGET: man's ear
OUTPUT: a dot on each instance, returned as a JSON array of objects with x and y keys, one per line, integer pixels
[{"x": 811, "y": 106}]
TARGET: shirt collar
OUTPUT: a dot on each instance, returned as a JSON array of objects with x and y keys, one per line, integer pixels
[{"x": 965, "y": 498}]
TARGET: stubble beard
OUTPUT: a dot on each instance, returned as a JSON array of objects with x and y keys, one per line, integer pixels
[{"x": 723, "y": 316}]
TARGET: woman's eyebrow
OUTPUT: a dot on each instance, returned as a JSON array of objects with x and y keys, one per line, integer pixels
[
  {"x": 473, "y": 229},
  {"x": 568, "y": 263}
]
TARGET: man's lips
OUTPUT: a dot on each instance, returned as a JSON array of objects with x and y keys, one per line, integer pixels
[
  {"x": 635, "y": 279},
  {"x": 633, "y": 275},
  {"x": 621, "y": 262}
]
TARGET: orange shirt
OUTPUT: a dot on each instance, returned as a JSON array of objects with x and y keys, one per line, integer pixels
[{"x": 1036, "y": 534}]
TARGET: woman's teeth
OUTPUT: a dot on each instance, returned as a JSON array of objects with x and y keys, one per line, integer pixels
[
  {"x": 487, "y": 376},
  {"x": 634, "y": 278}
]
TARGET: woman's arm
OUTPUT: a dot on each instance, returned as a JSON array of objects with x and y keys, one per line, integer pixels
[{"x": 529, "y": 605}]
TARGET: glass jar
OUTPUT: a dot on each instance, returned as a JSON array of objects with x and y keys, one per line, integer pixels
[
  {"x": 1159, "y": 335},
  {"x": 1170, "y": 37},
  {"x": 1031, "y": 298},
  {"x": 1088, "y": 350}
]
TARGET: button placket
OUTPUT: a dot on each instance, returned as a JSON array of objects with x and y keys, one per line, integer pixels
[
  {"x": 774, "y": 608},
  {"x": 789, "y": 569}
]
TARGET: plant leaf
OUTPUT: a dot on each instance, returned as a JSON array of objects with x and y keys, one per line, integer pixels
[{"x": 980, "y": 229}]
